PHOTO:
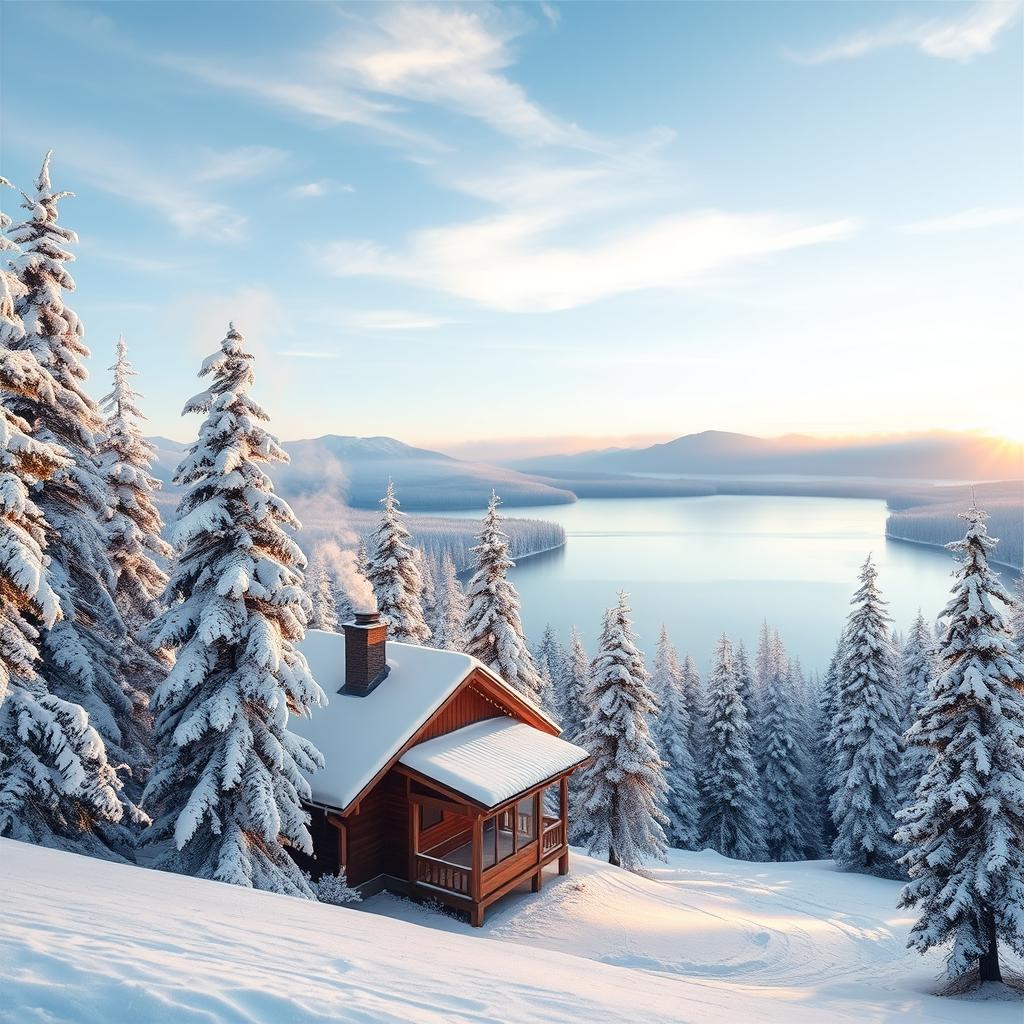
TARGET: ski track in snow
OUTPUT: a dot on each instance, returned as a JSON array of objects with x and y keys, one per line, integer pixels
[{"x": 702, "y": 939}]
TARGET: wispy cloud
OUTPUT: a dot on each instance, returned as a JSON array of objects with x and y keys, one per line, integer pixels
[
  {"x": 305, "y": 354},
  {"x": 238, "y": 164},
  {"x": 960, "y": 37},
  {"x": 181, "y": 198},
  {"x": 451, "y": 56},
  {"x": 512, "y": 262},
  {"x": 305, "y": 91},
  {"x": 395, "y": 320},
  {"x": 967, "y": 220},
  {"x": 317, "y": 189}
]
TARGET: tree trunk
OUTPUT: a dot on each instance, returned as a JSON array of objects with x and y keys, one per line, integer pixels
[
  {"x": 613, "y": 857},
  {"x": 988, "y": 965}
]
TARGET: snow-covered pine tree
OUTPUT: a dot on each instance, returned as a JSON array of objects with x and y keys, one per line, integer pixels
[
  {"x": 966, "y": 828},
  {"x": 919, "y": 669},
  {"x": 393, "y": 569},
  {"x": 693, "y": 698},
  {"x": 450, "y": 610},
  {"x": 622, "y": 788},
  {"x": 546, "y": 693},
  {"x": 135, "y": 542},
  {"x": 671, "y": 730},
  {"x": 1016, "y": 615},
  {"x": 495, "y": 631},
  {"x": 731, "y": 817},
  {"x": 749, "y": 687},
  {"x": 321, "y": 590},
  {"x": 575, "y": 680},
  {"x": 865, "y": 738},
  {"x": 817, "y": 841},
  {"x": 228, "y": 783},
  {"x": 826, "y": 755},
  {"x": 56, "y": 786},
  {"x": 788, "y": 799},
  {"x": 550, "y": 652},
  {"x": 428, "y": 596},
  {"x": 80, "y": 653}
]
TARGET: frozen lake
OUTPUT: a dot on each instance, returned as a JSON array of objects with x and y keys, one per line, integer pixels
[{"x": 704, "y": 565}]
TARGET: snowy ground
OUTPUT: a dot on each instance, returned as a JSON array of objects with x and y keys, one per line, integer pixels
[{"x": 705, "y": 939}]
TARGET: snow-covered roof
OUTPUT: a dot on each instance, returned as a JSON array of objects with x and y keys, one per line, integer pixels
[
  {"x": 493, "y": 760},
  {"x": 359, "y": 735}
]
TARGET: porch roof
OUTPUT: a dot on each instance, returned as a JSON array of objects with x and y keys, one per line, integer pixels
[{"x": 493, "y": 760}]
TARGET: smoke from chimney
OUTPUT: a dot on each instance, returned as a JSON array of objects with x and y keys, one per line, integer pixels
[{"x": 342, "y": 562}]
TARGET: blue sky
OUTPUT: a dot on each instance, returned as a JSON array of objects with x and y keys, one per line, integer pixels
[{"x": 460, "y": 225}]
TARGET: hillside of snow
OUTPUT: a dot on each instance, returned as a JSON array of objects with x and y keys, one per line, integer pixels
[{"x": 704, "y": 939}]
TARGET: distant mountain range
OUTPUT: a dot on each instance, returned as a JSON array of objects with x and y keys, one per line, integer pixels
[
  {"x": 931, "y": 456},
  {"x": 356, "y": 470}
]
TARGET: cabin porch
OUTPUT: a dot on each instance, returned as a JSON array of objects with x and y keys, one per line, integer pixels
[{"x": 469, "y": 857}]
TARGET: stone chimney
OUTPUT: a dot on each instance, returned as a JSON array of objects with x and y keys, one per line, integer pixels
[{"x": 365, "y": 654}]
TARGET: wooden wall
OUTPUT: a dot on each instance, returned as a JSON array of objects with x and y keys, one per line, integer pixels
[
  {"x": 468, "y": 706},
  {"x": 378, "y": 836}
]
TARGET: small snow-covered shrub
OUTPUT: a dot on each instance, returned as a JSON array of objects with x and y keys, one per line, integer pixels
[{"x": 334, "y": 889}]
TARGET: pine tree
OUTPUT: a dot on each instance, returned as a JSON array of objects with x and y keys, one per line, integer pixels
[
  {"x": 450, "y": 628},
  {"x": 731, "y": 821},
  {"x": 966, "y": 829},
  {"x": 135, "y": 541},
  {"x": 228, "y": 784},
  {"x": 827, "y": 710},
  {"x": 622, "y": 788},
  {"x": 321, "y": 590},
  {"x": 428, "y": 597},
  {"x": 671, "y": 731},
  {"x": 394, "y": 572},
  {"x": 56, "y": 786},
  {"x": 80, "y": 652},
  {"x": 919, "y": 668},
  {"x": 549, "y": 651},
  {"x": 572, "y": 695},
  {"x": 546, "y": 692},
  {"x": 865, "y": 738},
  {"x": 750, "y": 687},
  {"x": 1017, "y": 613},
  {"x": 693, "y": 699},
  {"x": 788, "y": 799},
  {"x": 495, "y": 630}
]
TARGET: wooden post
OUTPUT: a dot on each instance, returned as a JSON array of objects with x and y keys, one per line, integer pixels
[
  {"x": 414, "y": 838},
  {"x": 476, "y": 916},
  {"x": 563, "y": 799},
  {"x": 476, "y": 882},
  {"x": 538, "y": 824}
]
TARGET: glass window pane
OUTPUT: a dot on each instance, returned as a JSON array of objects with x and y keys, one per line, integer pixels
[
  {"x": 489, "y": 841},
  {"x": 429, "y": 817},
  {"x": 527, "y": 823},
  {"x": 552, "y": 803}
]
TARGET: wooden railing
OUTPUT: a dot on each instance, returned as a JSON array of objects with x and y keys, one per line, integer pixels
[
  {"x": 553, "y": 837},
  {"x": 439, "y": 873}
]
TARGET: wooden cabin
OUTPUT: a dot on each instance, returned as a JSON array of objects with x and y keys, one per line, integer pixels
[{"x": 441, "y": 780}]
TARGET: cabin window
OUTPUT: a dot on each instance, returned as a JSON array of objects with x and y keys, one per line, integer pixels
[
  {"x": 490, "y": 850},
  {"x": 552, "y": 802},
  {"x": 430, "y": 816},
  {"x": 526, "y": 822}
]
